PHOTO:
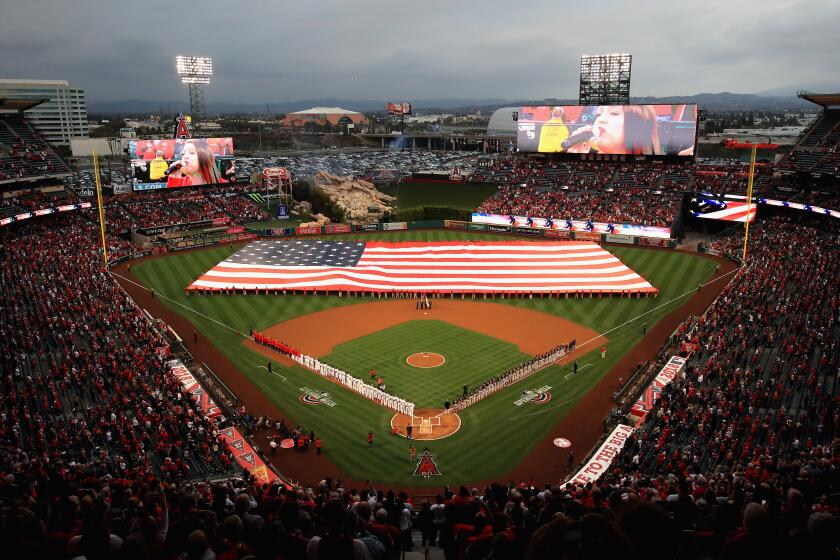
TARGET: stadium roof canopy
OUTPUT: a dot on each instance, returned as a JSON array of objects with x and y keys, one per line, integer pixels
[
  {"x": 325, "y": 111},
  {"x": 9, "y": 105},
  {"x": 502, "y": 123},
  {"x": 824, "y": 100}
]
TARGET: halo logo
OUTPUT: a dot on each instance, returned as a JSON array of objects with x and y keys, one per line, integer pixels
[
  {"x": 313, "y": 397},
  {"x": 535, "y": 396}
]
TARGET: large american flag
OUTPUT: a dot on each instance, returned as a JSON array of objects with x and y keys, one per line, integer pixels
[{"x": 456, "y": 266}]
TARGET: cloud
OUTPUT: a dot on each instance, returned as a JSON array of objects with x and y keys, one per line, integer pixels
[{"x": 277, "y": 50}]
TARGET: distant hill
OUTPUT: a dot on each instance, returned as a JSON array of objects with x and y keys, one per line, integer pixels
[{"x": 723, "y": 101}]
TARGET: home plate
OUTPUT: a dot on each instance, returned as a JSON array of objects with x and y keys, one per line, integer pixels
[{"x": 562, "y": 442}]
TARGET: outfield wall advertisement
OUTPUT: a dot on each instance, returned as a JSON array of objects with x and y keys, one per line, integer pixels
[
  {"x": 665, "y": 130},
  {"x": 179, "y": 162},
  {"x": 571, "y": 225}
]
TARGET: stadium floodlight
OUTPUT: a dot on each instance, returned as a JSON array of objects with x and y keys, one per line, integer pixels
[
  {"x": 194, "y": 66},
  {"x": 195, "y": 71},
  {"x": 605, "y": 79}
]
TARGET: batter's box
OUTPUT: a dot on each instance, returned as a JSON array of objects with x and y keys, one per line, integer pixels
[
  {"x": 416, "y": 420},
  {"x": 434, "y": 420}
]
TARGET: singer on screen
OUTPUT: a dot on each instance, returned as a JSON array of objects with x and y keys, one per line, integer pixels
[
  {"x": 621, "y": 129},
  {"x": 197, "y": 166}
]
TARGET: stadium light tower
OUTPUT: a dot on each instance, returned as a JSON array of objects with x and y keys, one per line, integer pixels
[
  {"x": 195, "y": 71},
  {"x": 605, "y": 79}
]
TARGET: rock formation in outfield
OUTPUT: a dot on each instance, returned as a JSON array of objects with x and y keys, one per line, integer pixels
[{"x": 360, "y": 200}]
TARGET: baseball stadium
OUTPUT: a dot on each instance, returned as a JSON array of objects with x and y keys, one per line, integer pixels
[{"x": 567, "y": 335}]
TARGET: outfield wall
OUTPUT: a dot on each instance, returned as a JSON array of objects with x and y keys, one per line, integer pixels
[{"x": 559, "y": 235}]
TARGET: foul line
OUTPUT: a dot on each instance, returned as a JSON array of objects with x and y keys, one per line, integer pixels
[
  {"x": 669, "y": 302},
  {"x": 179, "y": 304},
  {"x": 568, "y": 375},
  {"x": 283, "y": 377}
]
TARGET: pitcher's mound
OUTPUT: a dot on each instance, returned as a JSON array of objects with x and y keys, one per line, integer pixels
[
  {"x": 427, "y": 423},
  {"x": 425, "y": 360}
]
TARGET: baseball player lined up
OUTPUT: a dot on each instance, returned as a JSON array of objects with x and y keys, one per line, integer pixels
[
  {"x": 513, "y": 375},
  {"x": 355, "y": 384}
]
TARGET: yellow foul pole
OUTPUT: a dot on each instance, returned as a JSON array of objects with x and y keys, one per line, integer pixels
[
  {"x": 101, "y": 209},
  {"x": 749, "y": 203}
]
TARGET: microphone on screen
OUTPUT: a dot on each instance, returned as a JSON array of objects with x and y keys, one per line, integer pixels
[
  {"x": 577, "y": 138},
  {"x": 177, "y": 165}
]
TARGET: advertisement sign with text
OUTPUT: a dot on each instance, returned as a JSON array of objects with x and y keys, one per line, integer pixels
[
  {"x": 392, "y": 226},
  {"x": 558, "y": 233},
  {"x": 179, "y": 162},
  {"x": 587, "y": 236},
  {"x": 308, "y": 230},
  {"x": 454, "y": 224},
  {"x": 667, "y": 130},
  {"x": 338, "y": 228},
  {"x": 366, "y": 227},
  {"x": 618, "y": 238},
  {"x": 653, "y": 242},
  {"x": 604, "y": 456},
  {"x": 571, "y": 225}
]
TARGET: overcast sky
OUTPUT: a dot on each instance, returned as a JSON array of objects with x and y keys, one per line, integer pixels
[{"x": 282, "y": 50}]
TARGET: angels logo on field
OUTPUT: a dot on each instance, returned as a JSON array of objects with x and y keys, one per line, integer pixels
[
  {"x": 426, "y": 466},
  {"x": 534, "y": 396},
  {"x": 315, "y": 397}
]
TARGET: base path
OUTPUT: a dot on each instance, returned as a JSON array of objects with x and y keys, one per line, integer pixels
[
  {"x": 427, "y": 424},
  {"x": 533, "y": 332}
]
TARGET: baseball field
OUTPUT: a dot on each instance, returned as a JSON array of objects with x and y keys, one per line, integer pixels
[{"x": 424, "y": 356}]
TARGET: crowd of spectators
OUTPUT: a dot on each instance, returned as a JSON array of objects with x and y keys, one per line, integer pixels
[
  {"x": 101, "y": 449},
  {"x": 23, "y": 152}
]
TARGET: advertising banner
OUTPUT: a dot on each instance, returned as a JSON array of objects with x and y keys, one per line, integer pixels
[
  {"x": 454, "y": 224},
  {"x": 338, "y": 228},
  {"x": 122, "y": 189},
  {"x": 235, "y": 229},
  {"x": 43, "y": 212},
  {"x": 399, "y": 108},
  {"x": 499, "y": 229},
  {"x": 245, "y": 455},
  {"x": 366, "y": 227},
  {"x": 619, "y": 238},
  {"x": 604, "y": 456},
  {"x": 653, "y": 242},
  {"x": 181, "y": 162},
  {"x": 393, "y": 226},
  {"x": 308, "y": 230},
  {"x": 652, "y": 392},
  {"x": 476, "y": 227},
  {"x": 787, "y": 204},
  {"x": 587, "y": 236},
  {"x": 608, "y": 129},
  {"x": 571, "y": 225},
  {"x": 558, "y": 233},
  {"x": 528, "y": 231}
]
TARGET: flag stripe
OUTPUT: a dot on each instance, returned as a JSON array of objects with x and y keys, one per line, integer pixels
[{"x": 490, "y": 267}]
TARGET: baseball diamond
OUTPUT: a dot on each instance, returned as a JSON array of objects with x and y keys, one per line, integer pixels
[{"x": 480, "y": 336}]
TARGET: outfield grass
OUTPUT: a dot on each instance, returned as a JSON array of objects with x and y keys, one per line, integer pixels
[
  {"x": 466, "y": 456},
  {"x": 466, "y": 196},
  {"x": 470, "y": 358}
]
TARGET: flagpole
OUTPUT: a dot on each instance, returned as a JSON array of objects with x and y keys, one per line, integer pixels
[
  {"x": 749, "y": 203},
  {"x": 101, "y": 209}
]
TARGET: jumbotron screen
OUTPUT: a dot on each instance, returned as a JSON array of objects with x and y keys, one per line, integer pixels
[
  {"x": 667, "y": 130},
  {"x": 179, "y": 162}
]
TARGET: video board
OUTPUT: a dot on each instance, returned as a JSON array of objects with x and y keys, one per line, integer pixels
[
  {"x": 722, "y": 207},
  {"x": 181, "y": 162},
  {"x": 664, "y": 130},
  {"x": 399, "y": 108}
]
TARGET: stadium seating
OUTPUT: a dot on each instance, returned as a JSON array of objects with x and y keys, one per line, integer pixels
[
  {"x": 103, "y": 455},
  {"x": 23, "y": 153}
]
